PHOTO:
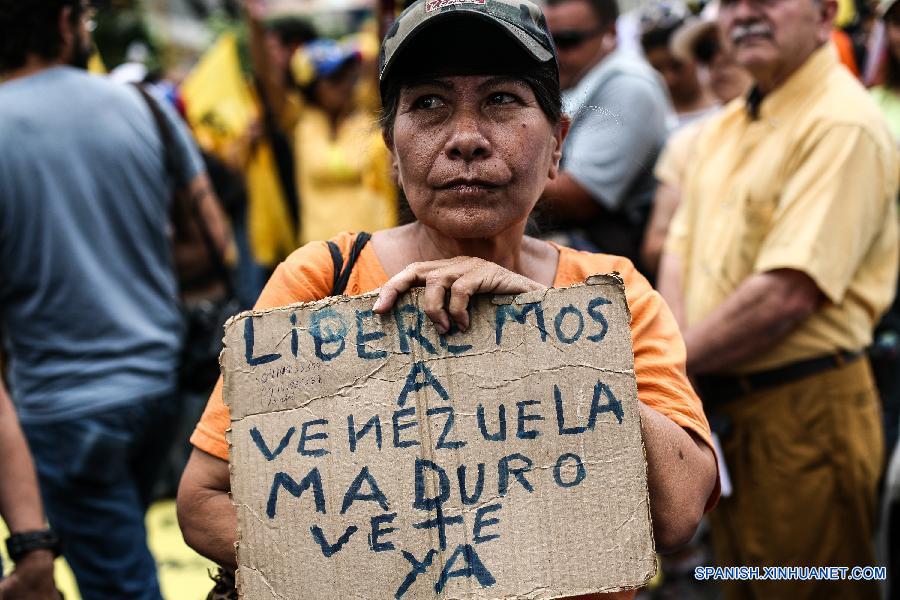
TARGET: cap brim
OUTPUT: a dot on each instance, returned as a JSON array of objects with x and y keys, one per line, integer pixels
[
  {"x": 685, "y": 37},
  {"x": 522, "y": 39}
]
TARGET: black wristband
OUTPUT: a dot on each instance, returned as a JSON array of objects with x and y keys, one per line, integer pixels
[{"x": 20, "y": 544}]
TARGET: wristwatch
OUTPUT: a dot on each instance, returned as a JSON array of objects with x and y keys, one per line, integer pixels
[{"x": 20, "y": 544}]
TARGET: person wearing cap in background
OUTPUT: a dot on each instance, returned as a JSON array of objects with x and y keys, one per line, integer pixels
[
  {"x": 620, "y": 117},
  {"x": 691, "y": 98},
  {"x": 476, "y": 132},
  {"x": 343, "y": 173},
  {"x": 698, "y": 40},
  {"x": 779, "y": 260}
]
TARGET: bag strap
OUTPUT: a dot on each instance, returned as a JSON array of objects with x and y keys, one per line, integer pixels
[
  {"x": 168, "y": 140},
  {"x": 342, "y": 270}
]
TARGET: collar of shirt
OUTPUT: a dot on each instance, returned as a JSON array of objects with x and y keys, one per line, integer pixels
[{"x": 796, "y": 89}]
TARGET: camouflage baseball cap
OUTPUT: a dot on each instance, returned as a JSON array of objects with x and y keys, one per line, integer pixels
[{"x": 522, "y": 20}]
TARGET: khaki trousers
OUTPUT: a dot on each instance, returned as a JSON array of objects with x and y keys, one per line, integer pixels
[{"x": 804, "y": 459}]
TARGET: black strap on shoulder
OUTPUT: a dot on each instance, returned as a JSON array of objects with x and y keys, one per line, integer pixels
[
  {"x": 165, "y": 133},
  {"x": 342, "y": 270},
  {"x": 167, "y": 137}
]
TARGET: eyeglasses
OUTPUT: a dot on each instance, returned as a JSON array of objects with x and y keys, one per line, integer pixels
[{"x": 567, "y": 40}]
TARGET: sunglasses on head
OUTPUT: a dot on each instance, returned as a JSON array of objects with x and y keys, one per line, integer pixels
[{"x": 566, "y": 40}]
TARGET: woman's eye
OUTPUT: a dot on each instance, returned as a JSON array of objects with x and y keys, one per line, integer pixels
[
  {"x": 428, "y": 102},
  {"x": 499, "y": 98}
]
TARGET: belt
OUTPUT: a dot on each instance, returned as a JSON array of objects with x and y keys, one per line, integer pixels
[{"x": 715, "y": 389}]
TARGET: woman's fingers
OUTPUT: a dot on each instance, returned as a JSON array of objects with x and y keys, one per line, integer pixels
[
  {"x": 462, "y": 277},
  {"x": 434, "y": 300},
  {"x": 397, "y": 285},
  {"x": 461, "y": 291}
]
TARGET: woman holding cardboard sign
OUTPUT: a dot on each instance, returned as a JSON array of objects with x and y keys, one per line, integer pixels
[{"x": 474, "y": 124}]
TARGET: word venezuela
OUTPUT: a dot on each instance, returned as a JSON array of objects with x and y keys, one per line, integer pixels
[{"x": 372, "y": 457}]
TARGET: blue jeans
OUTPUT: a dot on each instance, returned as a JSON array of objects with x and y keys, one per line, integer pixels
[{"x": 96, "y": 475}]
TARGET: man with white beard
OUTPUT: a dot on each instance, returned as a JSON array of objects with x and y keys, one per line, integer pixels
[{"x": 778, "y": 263}]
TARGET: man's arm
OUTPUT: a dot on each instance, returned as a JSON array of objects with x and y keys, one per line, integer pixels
[
  {"x": 565, "y": 200},
  {"x": 206, "y": 515},
  {"x": 761, "y": 312},
  {"x": 607, "y": 149},
  {"x": 21, "y": 508},
  {"x": 665, "y": 203},
  {"x": 272, "y": 83},
  {"x": 681, "y": 474},
  {"x": 670, "y": 286}
]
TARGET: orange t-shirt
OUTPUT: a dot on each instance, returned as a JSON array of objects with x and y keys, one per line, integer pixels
[{"x": 659, "y": 353}]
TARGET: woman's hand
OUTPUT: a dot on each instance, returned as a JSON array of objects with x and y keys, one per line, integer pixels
[{"x": 449, "y": 284}]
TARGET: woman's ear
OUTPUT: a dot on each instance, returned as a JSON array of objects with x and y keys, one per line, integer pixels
[
  {"x": 395, "y": 168},
  {"x": 559, "y": 135}
]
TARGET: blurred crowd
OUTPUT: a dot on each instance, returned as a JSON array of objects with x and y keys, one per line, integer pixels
[{"x": 686, "y": 153}]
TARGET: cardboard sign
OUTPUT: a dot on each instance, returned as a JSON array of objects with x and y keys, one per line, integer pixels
[{"x": 373, "y": 458}]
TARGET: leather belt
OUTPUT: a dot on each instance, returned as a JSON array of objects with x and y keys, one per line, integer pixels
[{"x": 715, "y": 389}]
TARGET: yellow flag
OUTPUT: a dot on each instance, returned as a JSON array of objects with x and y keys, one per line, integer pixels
[
  {"x": 95, "y": 64},
  {"x": 845, "y": 14},
  {"x": 218, "y": 103},
  {"x": 272, "y": 235}
]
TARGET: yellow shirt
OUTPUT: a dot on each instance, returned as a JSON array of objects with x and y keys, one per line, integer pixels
[
  {"x": 673, "y": 160},
  {"x": 343, "y": 179},
  {"x": 810, "y": 184}
]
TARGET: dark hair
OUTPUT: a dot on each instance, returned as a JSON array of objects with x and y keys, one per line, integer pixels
[
  {"x": 606, "y": 11},
  {"x": 292, "y": 31},
  {"x": 542, "y": 80},
  {"x": 892, "y": 71},
  {"x": 658, "y": 36},
  {"x": 32, "y": 27},
  {"x": 891, "y": 67}
]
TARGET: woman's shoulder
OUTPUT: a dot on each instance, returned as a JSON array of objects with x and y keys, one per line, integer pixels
[
  {"x": 306, "y": 274},
  {"x": 576, "y": 265}
]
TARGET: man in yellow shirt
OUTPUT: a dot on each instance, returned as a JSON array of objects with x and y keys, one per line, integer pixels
[{"x": 779, "y": 261}]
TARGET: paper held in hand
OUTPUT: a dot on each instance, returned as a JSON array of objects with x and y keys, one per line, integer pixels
[{"x": 373, "y": 458}]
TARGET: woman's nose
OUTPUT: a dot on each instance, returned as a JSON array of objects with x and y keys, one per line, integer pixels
[{"x": 467, "y": 141}]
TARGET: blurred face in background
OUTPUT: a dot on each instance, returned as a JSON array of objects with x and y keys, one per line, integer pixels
[
  {"x": 279, "y": 52},
  {"x": 727, "y": 79},
  {"x": 335, "y": 94},
  {"x": 773, "y": 38},
  {"x": 680, "y": 76},
  {"x": 581, "y": 39},
  {"x": 76, "y": 36}
]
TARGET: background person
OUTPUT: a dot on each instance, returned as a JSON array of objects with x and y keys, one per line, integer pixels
[
  {"x": 87, "y": 287},
  {"x": 691, "y": 98},
  {"x": 887, "y": 92},
  {"x": 698, "y": 40},
  {"x": 778, "y": 281},
  {"x": 476, "y": 132},
  {"x": 22, "y": 511},
  {"x": 619, "y": 112},
  {"x": 341, "y": 162}
]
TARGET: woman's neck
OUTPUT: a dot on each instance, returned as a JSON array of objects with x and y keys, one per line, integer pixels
[
  {"x": 505, "y": 249},
  {"x": 396, "y": 248}
]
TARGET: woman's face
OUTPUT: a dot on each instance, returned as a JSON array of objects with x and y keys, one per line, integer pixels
[
  {"x": 473, "y": 153},
  {"x": 335, "y": 94}
]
